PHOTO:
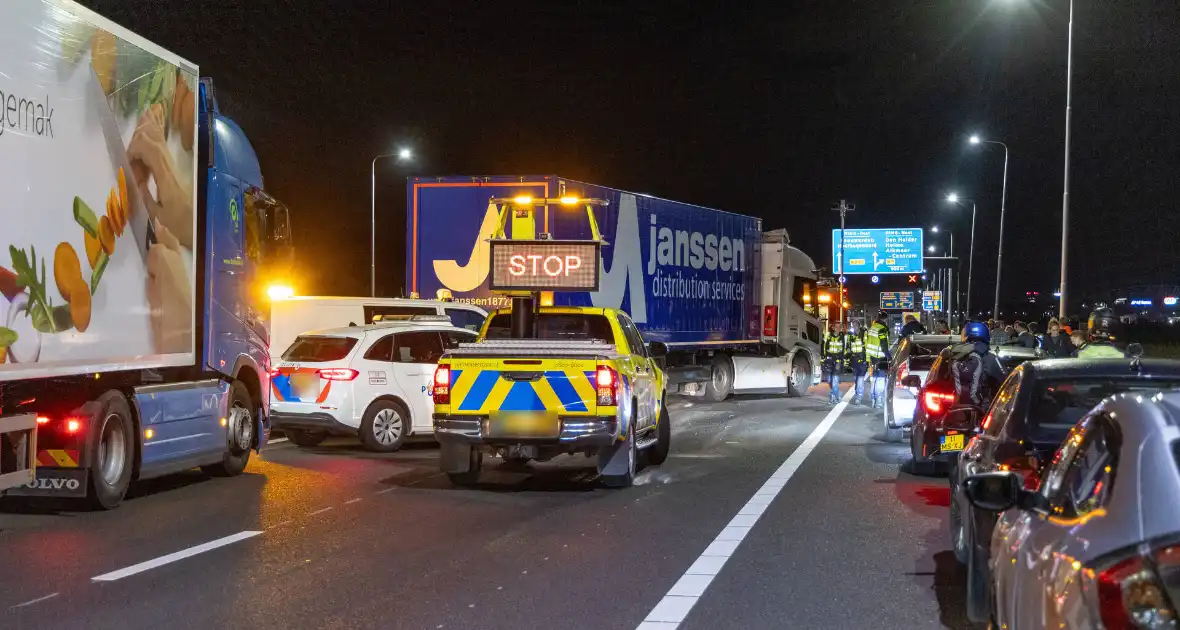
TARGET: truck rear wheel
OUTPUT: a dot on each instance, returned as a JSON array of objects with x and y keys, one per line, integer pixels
[
  {"x": 719, "y": 387},
  {"x": 241, "y": 437},
  {"x": 800, "y": 377},
  {"x": 111, "y": 452}
]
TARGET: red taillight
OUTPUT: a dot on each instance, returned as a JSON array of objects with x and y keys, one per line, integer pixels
[
  {"x": 337, "y": 374},
  {"x": 770, "y": 321},
  {"x": 936, "y": 402},
  {"x": 1131, "y": 595},
  {"x": 273, "y": 372},
  {"x": 442, "y": 385},
  {"x": 73, "y": 425},
  {"x": 42, "y": 420},
  {"x": 607, "y": 381}
]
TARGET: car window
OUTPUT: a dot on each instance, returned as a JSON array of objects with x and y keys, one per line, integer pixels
[
  {"x": 452, "y": 338},
  {"x": 1002, "y": 405},
  {"x": 382, "y": 350},
  {"x": 317, "y": 349},
  {"x": 1057, "y": 405},
  {"x": 463, "y": 318},
  {"x": 417, "y": 347},
  {"x": 578, "y": 326},
  {"x": 634, "y": 340},
  {"x": 1083, "y": 470},
  {"x": 940, "y": 370},
  {"x": 375, "y": 313}
]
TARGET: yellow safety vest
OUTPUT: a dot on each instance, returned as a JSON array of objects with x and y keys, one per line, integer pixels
[
  {"x": 857, "y": 345},
  {"x": 873, "y": 337},
  {"x": 1100, "y": 351},
  {"x": 835, "y": 346}
]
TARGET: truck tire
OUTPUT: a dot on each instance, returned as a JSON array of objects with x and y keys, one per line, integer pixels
[
  {"x": 237, "y": 452},
  {"x": 657, "y": 453},
  {"x": 627, "y": 478},
  {"x": 304, "y": 438},
  {"x": 720, "y": 385},
  {"x": 799, "y": 380},
  {"x": 384, "y": 426},
  {"x": 474, "y": 467},
  {"x": 111, "y": 452}
]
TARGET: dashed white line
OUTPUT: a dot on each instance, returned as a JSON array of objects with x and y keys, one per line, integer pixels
[
  {"x": 173, "y": 557},
  {"x": 389, "y": 489},
  {"x": 321, "y": 511},
  {"x": 351, "y": 501},
  {"x": 36, "y": 601},
  {"x": 276, "y": 441},
  {"x": 670, "y": 611}
]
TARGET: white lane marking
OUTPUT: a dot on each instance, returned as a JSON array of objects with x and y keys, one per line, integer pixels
[
  {"x": 389, "y": 489},
  {"x": 676, "y": 604},
  {"x": 276, "y": 441},
  {"x": 173, "y": 557},
  {"x": 351, "y": 501},
  {"x": 319, "y": 511},
  {"x": 36, "y": 601}
]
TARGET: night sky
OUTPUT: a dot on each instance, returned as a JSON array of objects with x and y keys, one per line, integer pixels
[{"x": 776, "y": 112}]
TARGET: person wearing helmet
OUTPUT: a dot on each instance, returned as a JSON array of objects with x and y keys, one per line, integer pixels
[
  {"x": 856, "y": 355},
  {"x": 877, "y": 355},
  {"x": 977, "y": 370},
  {"x": 835, "y": 351},
  {"x": 1100, "y": 337}
]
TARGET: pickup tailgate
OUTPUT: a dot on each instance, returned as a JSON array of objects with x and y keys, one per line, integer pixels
[{"x": 525, "y": 375}]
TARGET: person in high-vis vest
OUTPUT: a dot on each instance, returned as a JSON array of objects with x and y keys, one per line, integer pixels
[
  {"x": 1100, "y": 336},
  {"x": 877, "y": 355},
  {"x": 835, "y": 350},
  {"x": 856, "y": 356}
]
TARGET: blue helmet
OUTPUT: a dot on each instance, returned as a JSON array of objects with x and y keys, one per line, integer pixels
[{"x": 977, "y": 331}]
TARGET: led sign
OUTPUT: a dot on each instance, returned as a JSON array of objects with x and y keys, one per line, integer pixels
[
  {"x": 1141, "y": 302},
  {"x": 544, "y": 265},
  {"x": 1170, "y": 300}
]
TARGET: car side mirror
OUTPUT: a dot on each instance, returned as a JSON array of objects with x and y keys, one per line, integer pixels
[
  {"x": 657, "y": 350},
  {"x": 1134, "y": 350},
  {"x": 994, "y": 491},
  {"x": 912, "y": 381}
]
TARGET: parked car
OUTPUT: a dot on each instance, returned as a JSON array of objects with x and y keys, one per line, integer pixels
[
  {"x": 912, "y": 356},
  {"x": 372, "y": 381},
  {"x": 1097, "y": 545},
  {"x": 937, "y": 436},
  {"x": 1037, "y": 406}
]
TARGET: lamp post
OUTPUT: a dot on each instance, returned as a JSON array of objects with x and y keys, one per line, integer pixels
[
  {"x": 402, "y": 155},
  {"x": 954, "y": 198},
  {"x": 1065, "y": 192},
  {"x": 1003, "y": 202},
  {"x": 950, "y": 284}
]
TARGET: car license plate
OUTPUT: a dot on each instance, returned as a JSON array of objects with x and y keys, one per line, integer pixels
[
  {"x": 952, "y": 443},
  {"x": 523, "y": 425}
]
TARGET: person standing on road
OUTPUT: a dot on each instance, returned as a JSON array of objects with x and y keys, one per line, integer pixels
[
  {"x": 1100, "y": 344},
  {"x": 1056, "y": 343},
  {"x": 977, "y": 370},
  {"x": 912, "y": 327},
  {"x": 999, "y": 335},
  {"x": 877, "y": 354},
  {"x": 835, "y": 353},
  {"x": 856, "y": 355},
  {"x": 1024, "y": 337},
  {"x": 1077, "y": 339}
]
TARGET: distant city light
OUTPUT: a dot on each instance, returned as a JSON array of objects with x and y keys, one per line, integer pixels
[{"x": 1170, "y": 301}]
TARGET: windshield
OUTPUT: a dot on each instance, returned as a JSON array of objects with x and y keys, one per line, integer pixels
[
  {"x": 557, "y": 326},
  {"x": 314, "y": 349},
  {"x": 1058, "y": 405}
]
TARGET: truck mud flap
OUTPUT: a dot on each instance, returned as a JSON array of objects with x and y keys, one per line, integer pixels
[{"x": 55, "y": 482}]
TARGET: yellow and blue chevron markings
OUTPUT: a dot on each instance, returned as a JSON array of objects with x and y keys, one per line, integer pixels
[{"x": 570, "y": 391}]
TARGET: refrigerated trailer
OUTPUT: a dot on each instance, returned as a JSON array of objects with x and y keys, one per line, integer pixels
[
  {"x": 137, "y": 243},
  {"x": 725, "y": 298}
]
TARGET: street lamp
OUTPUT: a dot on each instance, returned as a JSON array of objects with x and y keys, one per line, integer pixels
[
  {"x": 953, "y": 198},
  {"x": 1065, "y": 186},
  {"x": 976, "y": 140},
  {"x": 403, "y": 155}
]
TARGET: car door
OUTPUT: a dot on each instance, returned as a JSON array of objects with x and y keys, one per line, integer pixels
[
  {"x": 641, "y": 372},
  {"x": 1077, "y": 485},
  {"x": 376, "y": 374},
  {"x": 415, "y": 355},
  {"x": 980, "y": 455}
]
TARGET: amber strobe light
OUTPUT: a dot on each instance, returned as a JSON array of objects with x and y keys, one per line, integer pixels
[{"x": 544, "y": 265}]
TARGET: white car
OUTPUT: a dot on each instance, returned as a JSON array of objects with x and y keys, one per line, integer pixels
[{"x": 372, "y": 381}]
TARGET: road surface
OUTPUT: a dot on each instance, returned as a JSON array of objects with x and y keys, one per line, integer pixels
[{"x": 770, "y": 513}]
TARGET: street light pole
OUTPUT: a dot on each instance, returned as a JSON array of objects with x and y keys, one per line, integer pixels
[
  {"x": 843, "y": 208},
  {"x": 1003, "y": 203},
  {"x": 403, "y": 155},
  {"x": 1065, "y": 193}
]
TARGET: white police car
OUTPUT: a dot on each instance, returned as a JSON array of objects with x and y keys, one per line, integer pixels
[{"x": 372, "y": 381}]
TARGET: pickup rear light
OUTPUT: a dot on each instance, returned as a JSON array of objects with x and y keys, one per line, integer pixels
[
  {"x": 770, "y": 321},
  {"x": 937, "y": 402},
  {"x": 1132, "y": 595},
  {"x": 607, "y": 383},
  {"x": 337, "y": 374},
  {"x": 442, "y": 385}
]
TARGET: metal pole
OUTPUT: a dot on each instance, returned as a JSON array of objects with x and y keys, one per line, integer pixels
[
  {"x": 373, "y": 231},
  {"x": 1065, "y": 192},
  {"x": 970, "y": 259},
  {"x": 1000, "y": 250},
  {"x": 950, "y": 285},
  {"x": 839, "y": 284}
]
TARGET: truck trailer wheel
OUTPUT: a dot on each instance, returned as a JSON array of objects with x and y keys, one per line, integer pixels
[
  {"x": 111, "y": 452},
  {"x": 720, "y": 386},
  {"x": 800, "y": 378},
  {"x": 241, "y": 437},
  {"x": 658, "y": 452}
]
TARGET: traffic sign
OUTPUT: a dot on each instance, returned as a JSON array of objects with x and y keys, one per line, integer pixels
[
  {"x": 932, "y": 300},
  {"x": 893, "y": 250},
  {"x": 897, "y": 300}
]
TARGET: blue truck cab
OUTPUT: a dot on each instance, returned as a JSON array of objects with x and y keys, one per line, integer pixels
[{"x": 99, "y": 432}]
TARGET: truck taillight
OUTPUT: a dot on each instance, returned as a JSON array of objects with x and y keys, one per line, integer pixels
[
  {"x": 442, "y": 385},
  {"x": 770, "y": 321},
  {"x": 42, "y": 420},
  {"x": 337, "y": 374},
  {"x": 1131, "y": 593},
  {"x": 936, "y": 402},
  {"x": 607, "y": 381},
  {"x": 73, "y": 425}
]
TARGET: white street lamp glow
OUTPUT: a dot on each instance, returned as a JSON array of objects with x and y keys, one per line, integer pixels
[
  {"x": 952, "y": 198},
  {"x": 934, "y": 228},
  {"x": 974, "y": 139},
  {"x": 404, "y": 154},
  {"x": 930, "y": 249}
]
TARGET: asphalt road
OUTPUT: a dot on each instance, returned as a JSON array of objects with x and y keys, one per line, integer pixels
[{"x": 770, "y": 513}]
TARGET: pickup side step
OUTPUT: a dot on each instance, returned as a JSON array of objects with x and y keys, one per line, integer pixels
[{"x": 646, "y": 440}]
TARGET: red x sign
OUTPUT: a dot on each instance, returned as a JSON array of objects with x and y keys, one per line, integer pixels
[{"x": 913, "y": 279}]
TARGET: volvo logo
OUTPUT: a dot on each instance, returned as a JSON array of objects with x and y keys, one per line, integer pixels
[{"x": 54, "y": 484}]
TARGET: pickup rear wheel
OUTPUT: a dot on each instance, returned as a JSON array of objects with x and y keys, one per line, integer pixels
[
  {"x": 304, "y": 438},
  {"x": 470, "y": 477},
  {"x": 111, "y": 452},
  {"x": 658, "y": 452},
  {"x": 625, "y": 479}
]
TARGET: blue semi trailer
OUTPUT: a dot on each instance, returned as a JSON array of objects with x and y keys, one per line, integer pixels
[
  {"x": 135, "y": 329},
  {"x": 725, "y": 298}
]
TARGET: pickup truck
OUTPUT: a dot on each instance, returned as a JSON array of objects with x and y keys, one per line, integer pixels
[{"x": 585, "y": 382}]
